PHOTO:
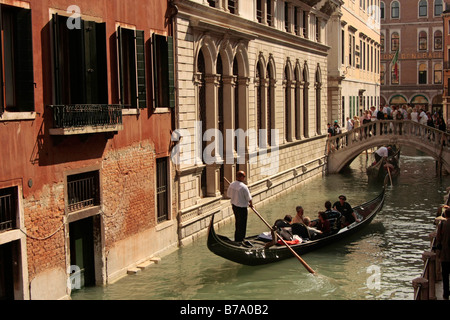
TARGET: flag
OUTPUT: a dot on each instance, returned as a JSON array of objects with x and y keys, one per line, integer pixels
[{"x": 394, "y": 63}]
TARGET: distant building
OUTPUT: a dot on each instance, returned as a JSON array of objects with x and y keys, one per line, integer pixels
[
  {"x": 354, "y": 66},
  {"x": 446, "y": 66},
  {"x": 415, "y": 30}
]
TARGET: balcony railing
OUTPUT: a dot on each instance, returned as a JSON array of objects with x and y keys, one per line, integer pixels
[{"x": 86, "y": 118}]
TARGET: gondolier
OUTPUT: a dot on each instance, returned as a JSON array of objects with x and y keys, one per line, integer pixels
[
  {"x": 382, "y": 152},
  {"x": 241, "y": 199}
]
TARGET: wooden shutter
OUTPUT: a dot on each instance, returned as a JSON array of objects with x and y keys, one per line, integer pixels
[
  {"x": 163, "y": 71},
  {"x": 120, "y": 64},
  {"x": 56, "y": 59},
  {"x": 95, "y": 62},
  {"x": 140, "y": 67},
  {"x": 24, "y": 74},
  {"x": 171, "y": 71},
  {"x": 90, "y": 66},
  {"x": 2, "y": 87},
  {"x": 155, "y": 68},
  {"x": 132, "y": 89},
  {"x": 102, "y": 64}
]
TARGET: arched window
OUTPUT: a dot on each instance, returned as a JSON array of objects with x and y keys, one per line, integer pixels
[
  {"x": 318, "y": 87},
  {"x": 438, "y": 8},
  {"x": 297, "y": 104},
  {"x": 287, "y": 102},
  {"x": 382, "y": 42},
  {"x": 382, "y": 10},
  {"x": 395, "y": 39},
  {"x": 423, "y": 8},
  {"x": 269, "y": 102},
  {"x": 395, "y": 10},
  {"x": 202, "y": 113},
  {"x": 220, "y": 120},
  {"x": 236, "y": 98},
  {"x": 259, "y": 98},
  {"x": 438, "y": 40},
  {"x": 305, "y": 101},
  {"x": 423, "y": 40}
]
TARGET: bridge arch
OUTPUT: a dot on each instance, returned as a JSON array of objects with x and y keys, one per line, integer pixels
[{"x": 344, "y": 148}]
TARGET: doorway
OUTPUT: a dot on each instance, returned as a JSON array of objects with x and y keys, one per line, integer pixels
[
  {"x": 82, "y": 260},
  {"x": 6, "y": 272}
]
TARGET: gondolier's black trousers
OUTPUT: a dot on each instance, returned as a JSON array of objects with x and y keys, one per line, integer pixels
[{"x": 240, "y": 216}]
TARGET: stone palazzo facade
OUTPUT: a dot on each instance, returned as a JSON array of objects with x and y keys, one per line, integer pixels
[{"x": 258, "y": 68}]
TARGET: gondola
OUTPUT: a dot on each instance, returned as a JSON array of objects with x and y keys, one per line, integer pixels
[
  {"x": 378, "y": 171},
  {"x": 252, "y": 251}
]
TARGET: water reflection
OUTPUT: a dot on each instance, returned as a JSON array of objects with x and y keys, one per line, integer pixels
[{"x": 392, "y": 245}]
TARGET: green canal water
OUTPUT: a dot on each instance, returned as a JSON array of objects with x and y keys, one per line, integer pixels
[{"x": 377, "y": 263}]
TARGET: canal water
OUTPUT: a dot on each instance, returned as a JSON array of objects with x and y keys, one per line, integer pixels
[{"x": 377, "y": 263}]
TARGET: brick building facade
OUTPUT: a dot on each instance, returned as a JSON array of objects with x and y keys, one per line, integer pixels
[
  {"x": 446, "y": 64},
  {"x": 86, "y": 182},
  {"x": 414, "y": 29}
]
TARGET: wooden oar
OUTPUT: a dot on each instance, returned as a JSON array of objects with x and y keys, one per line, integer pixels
[
  {"x": 389, "y": 172},
  {"x": 287, "y": 245},
  {"x": 282, "y": 240}
]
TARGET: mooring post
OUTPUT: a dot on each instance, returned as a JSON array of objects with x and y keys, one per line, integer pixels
[
  {"x": 431, "y": 272},
  {"x": 438, "y": 274},
  {"x": 420, "y": 284}
]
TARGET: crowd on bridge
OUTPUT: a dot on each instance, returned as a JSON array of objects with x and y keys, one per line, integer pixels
[{"x": 416, "y": 114}]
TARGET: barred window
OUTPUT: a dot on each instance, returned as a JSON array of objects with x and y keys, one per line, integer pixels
[
  {"x": 8, "y": 208},
  {"x": 83, "y": 190},
  {"x": 162, "y": 190}
]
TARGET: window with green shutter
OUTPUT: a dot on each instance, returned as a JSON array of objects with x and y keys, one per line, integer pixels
[
  {"x": 16, "y": 60},
  {"x": 131, "y": 63},
  {"x": 163, "y": 71},
  {"x": 79, "y": 62}
]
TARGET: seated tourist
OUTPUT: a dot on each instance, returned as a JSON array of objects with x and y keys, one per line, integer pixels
[
  {"x": 313, "y": 232},
  {"x": 323, "y": 224},
  {"x": 334, "y": 216}
]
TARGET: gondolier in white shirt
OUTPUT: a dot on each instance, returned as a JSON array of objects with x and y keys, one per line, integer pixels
[
  {"x": 241, "y": 199},
  {"x": 382, "y": 152}
]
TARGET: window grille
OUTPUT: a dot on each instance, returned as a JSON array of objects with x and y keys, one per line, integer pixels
[
  {"x": 8, "y": 208},
  {"x": 83, "y": 191},
  {"x": 162, "y": 190}
]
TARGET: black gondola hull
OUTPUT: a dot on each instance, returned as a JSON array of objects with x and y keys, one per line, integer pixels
[{"x": 252, "y": 256}]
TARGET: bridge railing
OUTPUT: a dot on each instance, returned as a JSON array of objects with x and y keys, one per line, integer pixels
[{"x": 389, "y": 128}]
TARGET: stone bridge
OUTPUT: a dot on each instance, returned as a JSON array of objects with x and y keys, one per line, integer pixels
[{"x": 344, "y": 148}]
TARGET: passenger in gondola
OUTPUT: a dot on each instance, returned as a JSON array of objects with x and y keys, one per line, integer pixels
[
  {"x": 298, "y": 218},
  {"x": 323, "y": 224},
  {"x": 333, "y": 215},
  {"x": 312, "y": 232},
  {"x": 283, "y": 223},
  {"x": 346, "y": 210},
  {"x": 283, "y": 228}
]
